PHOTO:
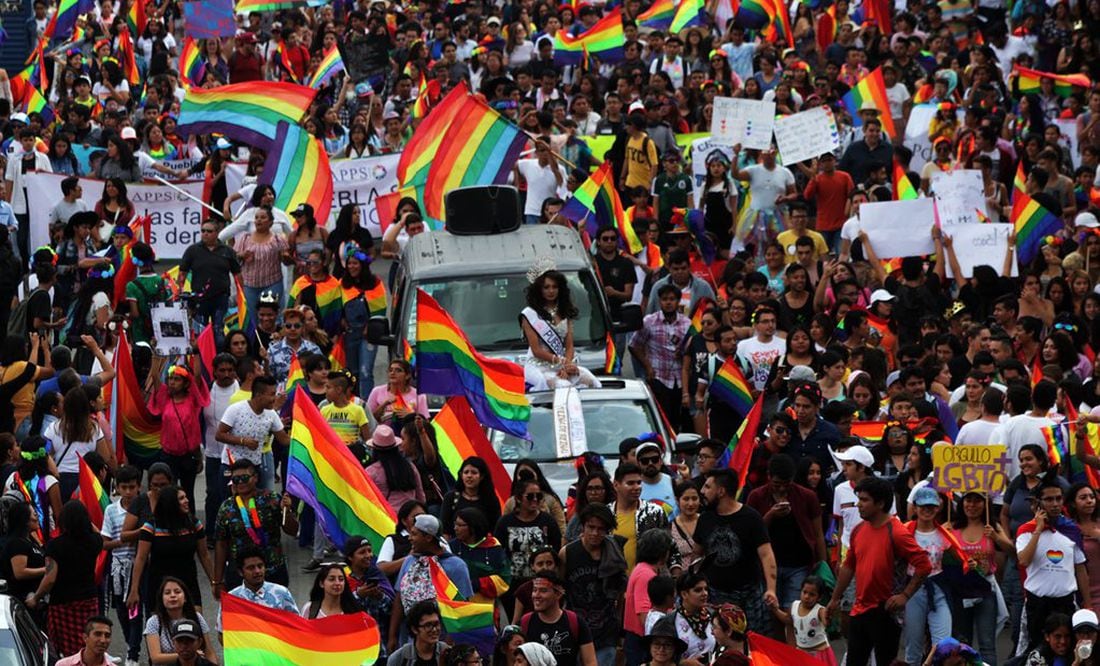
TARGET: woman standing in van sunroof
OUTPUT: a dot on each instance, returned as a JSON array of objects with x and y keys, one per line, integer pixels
[{"x": 547, "y": 324}]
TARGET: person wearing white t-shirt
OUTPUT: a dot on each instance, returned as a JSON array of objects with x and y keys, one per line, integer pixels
[
  {"x": 856, "y": 463},
  {"x": 1025, "y": 427},
  {"x": 246, "y": 425},
  {"x": 221, "y": 390},
  {"x": 70, "y": 441},
  {"x": 897, "y": 97},
  {"x": 545, "y": 179},
  {"x": 981, "y": 431},
  {"x": 769, "y": 185},
  {"x": 1051, "y": 553},
  {"x": 760, "y": 352}
]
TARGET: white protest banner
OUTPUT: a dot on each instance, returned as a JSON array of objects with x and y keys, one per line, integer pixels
[
  {"x": 959, "y": 196},
  {"x": 916, "y": 134},
  {"x": 175, "y": 165},
  {"x": 175, "y": 217},
  {"x": 899, "y": 228},
  {"x": 806, "y": 135},
  {"x": 358, "y": 181},
  {"x": 747, "y": 122},
  {"x": 980, "y": 245},
  {"x": 1068, "y": 127},
  {"x": 701, "y": 149}
]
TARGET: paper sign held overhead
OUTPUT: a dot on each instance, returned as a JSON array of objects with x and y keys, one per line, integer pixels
[
  {"x": 970, "y": 468},
  {"x": 806, "y": 135},
  {"x": 899, "y": 228},
  {"x": 980, "y": 245},
  {"x": 959, "y": 197},
  {"x": 742, "y": 121}
]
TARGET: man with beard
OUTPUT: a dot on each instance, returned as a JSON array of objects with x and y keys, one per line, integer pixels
[{"x": 656, "y": 485}]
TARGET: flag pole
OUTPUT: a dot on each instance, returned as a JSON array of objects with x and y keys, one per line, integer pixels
[{"x": 189, "y": 196}]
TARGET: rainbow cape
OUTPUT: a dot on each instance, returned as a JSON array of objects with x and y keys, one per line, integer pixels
[
  {"x": 255, "y": 634},
  {"x": 603, "y": 40},
  {"x": 463, "y": 621},
  {"x": 1027, "y": 81},
  {"x": 328, "y": 296},
  {"x": 376, "y": 299},
  {"x": 598, "y": 200},
  {"x": 871, "y": 88},
  {"x": 613, "y": 363},
  {"x": 248, "y": 112},
  {"x": 140, "y": 430},
  {"x": 459, "y": 436},
  {"x": 688, "y": 13},
  {"x": 323, "y": 472},
  {"x": 903, "y": 188},
  {"x": 738, "y": 453},
  {"x": 447, "y": 364},
  {"x": 729, "y": 386},
  {"x": 658, "y": 16},
  {"x": 331, "y": 64},
  {"x": 298, "y": 168},
  {"x": 1032, "y": 222}
]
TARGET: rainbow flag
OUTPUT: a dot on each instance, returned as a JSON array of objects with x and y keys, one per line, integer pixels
[
  {"x": 1019, "y": 183},
  {"x": 36, "y": 103},
  {"x": 770, "y": 652},
  {"x": 248, "y": 112},
  {"x": 459, "y": 436},
  {"x": 331, "y": 64},
  {"x": 871, "y": 88},
  {"x": 447, "y": 364},
  {"x": 376, "y": 299},
  {"x": 407, "y": 353},
  {"x": 478, "y": 148},
  {"x": 420, "y": 106},
  {"x": 323, "y": 472},
  {"x": 255, "y": 634},
  {"x": 982, "y": 217},
  {"x": 825, "y": 32},
  {"x": 1087, "y": 445},
  {"x": 924, "y": 93},
  {"x": 328, "y": 296},
  {"x": 128, "y": 58},
  {"x": 1027, "y": 81},
  {"x": 659, "y": 15},
  {"x": 246, "y": 6},
  {"x": 903, "y": 188},
  {"x": 779, "y": 28},
  {"x": 298, "y": 167},
  {"x": 1051, "y": 437},
  {"x": 598, "y": 200},
  {"x": 294, "y": 376},
  {"x": 139, "y": 429},
  {"x": 701, "y": 306},
  {"x": 190, "y": 63},
  {"x": 688, "y": 13},
  {"x": 64, "y": 20},
  {"x": 729, "y": 386},
  {"x": 603, "y": 40},
  {"x": 463, "y": 621},
  {"x": 136, "y": 18},
  {"x": 91, "y": 494},
  {"x": 754, "y": 14},
  {"x": 20, "y": 84},
  {"x": 869, "y": 431},
  {"x": 1032, "y": 222},
  {"x": 738, "y": 454},
  {"x": 613, "y": 363},
  {"x": 338, "y": 357},
  {"x": 284, "y": 61}
]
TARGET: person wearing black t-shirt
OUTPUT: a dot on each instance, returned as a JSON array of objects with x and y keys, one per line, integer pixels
[
  {"x": 559, "y": 630},
  {"x": 616, "y": 275}
]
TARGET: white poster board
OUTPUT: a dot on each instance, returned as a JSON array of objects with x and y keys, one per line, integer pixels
[
  {"x": 806, "y": 135},
  {"x": 700, "y": 149},
  {"x": 899, "y": 228},
  {"x": 1068, "y": 127},
  {"x": 171, "y": 329},
  {"x": 748, "y": 122},
  {"x": 570, "y": 439},
  {"x": 980, "y": 245},
  {"x": 959, "y": 196},
  {"x": 916, "y": 134}
]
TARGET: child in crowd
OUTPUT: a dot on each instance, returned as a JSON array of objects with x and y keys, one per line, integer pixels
[
  {"x": 807, "y": 618},
  {"x": 127, "y": 485}
]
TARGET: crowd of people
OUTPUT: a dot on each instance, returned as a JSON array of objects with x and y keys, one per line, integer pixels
[{"x": 832, "y": 538}]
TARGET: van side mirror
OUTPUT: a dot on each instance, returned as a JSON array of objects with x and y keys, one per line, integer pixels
[
  {"x": 378, "y": 332},
  {"x": 630, "y": 318}
]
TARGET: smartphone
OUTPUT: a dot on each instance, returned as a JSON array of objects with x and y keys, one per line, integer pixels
[{"x": 134, "y": 611}]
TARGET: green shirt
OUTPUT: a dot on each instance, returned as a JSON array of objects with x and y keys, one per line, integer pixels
[
  {"x": 145, "y": 290},
  {"x": 673, "y": 192}
]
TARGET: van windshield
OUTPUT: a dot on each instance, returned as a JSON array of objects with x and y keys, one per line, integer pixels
[
  {"x": 487, "y": 309},
  {"x": 606, "y": 423}
]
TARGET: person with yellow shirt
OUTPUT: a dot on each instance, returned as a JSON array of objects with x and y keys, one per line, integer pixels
[
  {"x": 798, "y": 216},
  {"x": 346, "y": 418},
  {"x": 640, "y": 165}
]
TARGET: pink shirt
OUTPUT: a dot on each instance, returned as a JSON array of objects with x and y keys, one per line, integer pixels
[
  {"x": 380, "y": 394},
  {"x": 75, "y": 660},
  {"x": 181, "y": 422},
  {"x": 637, "y": 597}
]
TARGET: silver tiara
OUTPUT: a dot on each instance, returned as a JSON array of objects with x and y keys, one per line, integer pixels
[{"x": 541, "y": 265}]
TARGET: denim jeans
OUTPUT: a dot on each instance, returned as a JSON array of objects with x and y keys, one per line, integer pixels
[
  {"x": 213, "y": 310},
  {"x": 267, "y": 471},
  {"x": 532, "y": 219},
  {"x": 132, "y": 630},
  {"x": 215, "y": 493},
  {"x": 788, "y": 584},
  {"x": 1013, "y": 590},
  {"x": 927, "y": 607},
  {"x": 634, "y": 653},
  {"x": 360, "y": 356},
  {"x": 605, "y": 656},
  {"x": 977, "y": 626},
  {"x": 252, "y": 298}
]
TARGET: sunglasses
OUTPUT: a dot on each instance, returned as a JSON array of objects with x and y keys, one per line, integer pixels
[
  {"x": 292, "y": 325},
  {"x": 649, "y": 460},
  {"x": 533, "y": 497},
  {"x": 240, "y": 478}
]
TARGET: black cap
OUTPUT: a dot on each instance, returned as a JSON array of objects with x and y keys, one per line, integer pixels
[
  {"x": 303, "y": 209},
  {"x": 186, "y": 629}
]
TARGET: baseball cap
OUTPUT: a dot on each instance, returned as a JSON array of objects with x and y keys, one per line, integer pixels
[
  {"x": 801, "y": 373},
  {"x": 858, "y": 453},
  {"x": 1083, "y": 219},
  {"x": 492, "y": 20},
  {"x": 645, "y": 446},
  {"x": 22, "y": 118},
  {"x": 128, "y": 133},
  {"x": 925, "y": 497},
  {"x": 893, "y": 377},
  {"x": 246, "y": 38},
  {"x": 186, "y": 629},
  {"x": 636, "y": 106},
  {"x": 223, "y": 144},
  {"x": 881, "y": 295},
  {"x": 391, "y": 115},
  {"x": 427, "y": 523},
  {"x": 303, "y": 209},
  {"x": 353, "y": 544},
  {"x": 1085, "y": 619},
  {"x": 869, "y": 106}
]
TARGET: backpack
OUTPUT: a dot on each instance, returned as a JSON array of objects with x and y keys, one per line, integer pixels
[
  {"x": 570, "y": 617},
  {"x": 17, "y": 320}
]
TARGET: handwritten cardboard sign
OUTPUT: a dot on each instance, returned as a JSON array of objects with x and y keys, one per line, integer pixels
[
  {"x": 980, "y": 245},
  {"x": 969, "y": 468},
  {"x": 959, "y": 197},
  {"x": 806, "y": 135},
  {"x": 748, "y": 122}
]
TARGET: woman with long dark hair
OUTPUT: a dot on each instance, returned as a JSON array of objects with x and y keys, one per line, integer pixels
[
  {"x": 62, "y": 159},
  {"x": 168, "y": 546},
  {"x": 398, "y": 398},
  {"x": 347, "y": 231},
  {"x": 308, "y": 235},
  {"x": 39, "y": 484},
  {"x": 596, "y": 487},
  {"x": 173, "y": 602},
  {"x": 75, "y": 434},
  {"x": 119, "y": 162},
  {"x": 475, "y": 489},
  {"x": 551, "y": 504},
  {"x": 976, "y": 624},
  {"x": 23, "y": 560},
  {"x": 358, "y": 143},
  {"x": 70, "y": 579},
  {"x": 364, "y": 296},
  {"x": 18, "y": 374},
  {"x": 396, "y": 477},
  {"x": 261, "y": 254},
  {"x": 1082, "y": 507},
  {"x": 114, "y": 207},
  {"x": 330, "y": 594},
  {"x": 547, "y": 325}
]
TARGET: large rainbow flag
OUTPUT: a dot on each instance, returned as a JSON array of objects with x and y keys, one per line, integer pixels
[
  {"x": 659, "y": 15},
  {"x": 447, "y": 364},
  {"x": 688, "y": 13},
  {"x": 323, "y": 472},
  {"x": 1027, "y": 81},
  {"x": 871, "y": 88},
  {"x": 464, "y": 621},
  {"x": 604, "y": 40},
  {"x": 249, "y": 112},
  {"x": 302, "y": 173},
  {"x": 459, "y": 436},
  {"x": 331, "y": 64},
  {"x": 253, "y": 634},
  {"x": 130, "y": 417},
  {"x": 753, "y": 14},
  {"x": 729, "y": 386},
  {"x": 1032, "y": 222},
  {"x": 597, "y": 201}
]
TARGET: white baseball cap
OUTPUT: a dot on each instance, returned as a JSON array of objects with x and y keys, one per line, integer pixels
[
  {"x": 1085, "y": 618},
  {"x": 1086, "y": 219},
  {"x": 858, "y": 453},
  {"x": 881, "y": 295},
  {"x": 128, "y": 133}
]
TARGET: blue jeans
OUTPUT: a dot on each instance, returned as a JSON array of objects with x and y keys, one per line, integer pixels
[
  {"x": 1013, "y": 590},
  {"x": 252, "y": 299},
  {"x": 788, "y": 584},
  {"x": 213, "y": 310},
  {"x": 832, "y": 240},
  {"x": 532, "y": 219},
  {"x": 267, "y": 471},
  {"x": 977, "y": 626},
  {"x": 360, "y": 356},
  {"x": 215, "y": 492},
  {"x": 605, "y": 656},
  {"x": 634, "y": 653},
  {"x": 927, "y": 607}
]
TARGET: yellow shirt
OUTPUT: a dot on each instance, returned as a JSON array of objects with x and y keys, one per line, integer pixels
[
  {"x": 788, "y": 238},
  {"x": 641, "y": 158},
  {"x": 347, "y": 421},
  {"x": 627, "y": 526}
]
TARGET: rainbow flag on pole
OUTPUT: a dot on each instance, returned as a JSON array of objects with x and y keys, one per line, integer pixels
[
  {"x": 871, "y": 88},
  {"x": 64, "y": 20},
  {"x": 597, "y": 201},
  {"x": 248, "y": 112},
  {"x": 613, "y": 363},
  {"x": 92, "y": 495},
  {"x": 659, "y": 15},
  {"x": 331, "y": 64},
  {"x": 903, "y": 188},
  {"x": 729, "y": 386},
  {"x": 323, "y": 472},
  {"x": 1032, "y": 222},
  {"x": 136, "y": 18},
  {"x": 190, "y": 63},
  {"x": 1028, "y": 80},
  {"x": 459, "y": 436},
  {"x": 302, "y": 172},
  {"x": 140, "y": 430},
  {"x": 738, "y": 454},
  {"x": 447, "y": 364},
  {"x": 255, "y": 634},
  {"x": 688, "y": 13},
  {"x": 604, "y": 40},
  {"x": 464, "y": 621}
]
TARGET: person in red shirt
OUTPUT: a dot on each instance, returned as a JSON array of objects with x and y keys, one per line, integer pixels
[
  {"x": 876, "y": 544},
  {"x": 246, "y": 64},
  {"x": 293, "y": 63},
  {"x": 829, "y": 189}
]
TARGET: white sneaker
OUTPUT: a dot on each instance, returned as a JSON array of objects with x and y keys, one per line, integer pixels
[{"x": 131, "y": 662}]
